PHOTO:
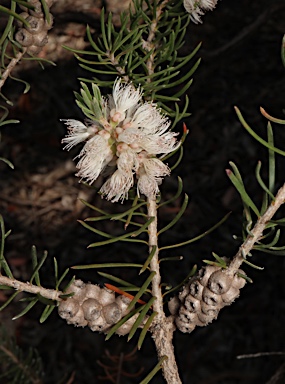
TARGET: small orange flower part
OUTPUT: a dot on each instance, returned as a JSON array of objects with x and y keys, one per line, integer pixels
[{"x": 120, "y": 292}]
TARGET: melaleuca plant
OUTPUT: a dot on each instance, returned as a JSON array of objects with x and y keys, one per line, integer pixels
[{"x": 130, "y": 141}]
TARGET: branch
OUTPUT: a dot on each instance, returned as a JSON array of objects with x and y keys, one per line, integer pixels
[
  {"x": 162, "y": 327},
  {"x": 149, "y": 45},
  {"x": 11, "y": 66},
  {"x": 27, "y": 287},
  {"x": 257, "y": 231}
]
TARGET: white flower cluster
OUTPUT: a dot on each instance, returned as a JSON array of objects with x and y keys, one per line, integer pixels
[
  {"x": 126, "y": 137},
  {"x": 196, "y": 8}
]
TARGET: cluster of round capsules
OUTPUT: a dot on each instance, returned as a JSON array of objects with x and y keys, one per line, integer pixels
[
  {"x": 34, "y": 36},
  {"x": 95, "y": 307},
  {"x": 200, "y": 301}
]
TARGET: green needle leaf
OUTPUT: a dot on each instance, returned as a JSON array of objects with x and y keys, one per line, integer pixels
[
  {"x": 26, "y": 310},
  {"x": 7, "y": 302},
  {"x": 177, "y": 217},
  {"x": 121, "y": 322},
  {"x": 140, "y": 318},
  {"x": 145, "y": 329},
  {"x": 148, "y": 260},
  {"x": 255, "y": 135},
  {"x": 154, "y": 371},
  {"x": 142, "y": 290},
  {"x": 260, "y": 181},
  {"x": 197, "y": 237},
  {"x": 106, "y": 265},
  {"x": 118, "y": 280},
  {"x": 241, "y": 190}
]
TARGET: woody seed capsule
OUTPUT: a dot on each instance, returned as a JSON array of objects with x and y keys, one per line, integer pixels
[
  {"x": 68, "y": 308},
  {"x": 24, "y": 37},
  {"x": 112, "y": 313},
  {"x": 92, "y": 309},
  {"x": 219, "y": 282}
]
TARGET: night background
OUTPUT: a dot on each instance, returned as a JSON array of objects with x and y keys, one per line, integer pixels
[{"x": 241, "y": 66}]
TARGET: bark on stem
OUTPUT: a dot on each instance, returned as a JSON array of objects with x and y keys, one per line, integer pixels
[
  {"x": 149, "y": 45},
  {"x": 162, "y": 327},
  {"x": 257, "y": 231},
  {"x": 27, "y": 287},
  {"x": 10, "y": 67}
]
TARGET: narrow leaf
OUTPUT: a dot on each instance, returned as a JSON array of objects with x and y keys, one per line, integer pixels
[
  {"x": 177, "y": 217},
  {"x": 140, "y": 318},
  {"x": 106, "y": 265},
  {"x": 121, "y": 322},
  {"x": 46, "y": 313},
  {"x": 117, "y": 280},
  {"x": 26, "y": 310},
  {"x": 255, "y": 135},
  {"x": 154, "y": 371},
  {"x": 197, "y": 237},
  {"x": 241, "y": 190},
  {"x": 148, "y": 260},
  {"x": 142, "y": 290},
  {"x": 145, "y": 329},
  {"x": 11, "y": 298}
]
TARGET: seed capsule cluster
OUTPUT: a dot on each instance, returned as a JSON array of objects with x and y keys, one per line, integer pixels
[
  {"x": 95, "y": 307},
  {"x": 200, "y": 301},
  {"x": 35, "y": 36}
]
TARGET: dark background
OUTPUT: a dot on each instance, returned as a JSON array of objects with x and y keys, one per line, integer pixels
[{"x": 241, "y": 65}]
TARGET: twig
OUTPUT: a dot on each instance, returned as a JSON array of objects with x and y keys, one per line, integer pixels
[
  {"x": 260, "y": 354},
  {"x": 162, "y": 327},
  {"x": 11, "y": 66},
  {"x": 148, "y": 44},
  {"x": 27, "y": 287},
  {"x": 278, "y": 377},
  {"x": 257, "y": 231}
]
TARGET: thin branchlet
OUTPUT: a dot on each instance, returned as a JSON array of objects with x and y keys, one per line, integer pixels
[{"x": 30, "y": 288}]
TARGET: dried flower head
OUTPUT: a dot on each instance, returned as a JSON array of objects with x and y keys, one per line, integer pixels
[
  {"x": 196, "y": 8},
  {"x": 126, "y": 136}
]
